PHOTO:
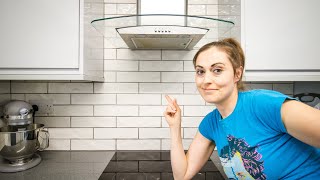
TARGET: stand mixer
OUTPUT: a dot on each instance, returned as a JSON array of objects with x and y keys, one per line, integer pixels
[{"x": 20, "y": 138}]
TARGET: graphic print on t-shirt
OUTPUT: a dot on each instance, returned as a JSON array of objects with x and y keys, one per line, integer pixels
[{"x": 240, "y": 161}]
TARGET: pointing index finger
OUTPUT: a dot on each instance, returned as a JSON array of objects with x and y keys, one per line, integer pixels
[
  {"x": 170, "y": 102},
  {"x": 168, "y": 98}
]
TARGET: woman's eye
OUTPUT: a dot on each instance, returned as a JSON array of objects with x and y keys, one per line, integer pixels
[
  {"x": 217, "y": 70},
  {"x": 199, "y": 72}
]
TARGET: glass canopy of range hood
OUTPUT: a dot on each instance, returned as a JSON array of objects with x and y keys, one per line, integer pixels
[{"x": 160, "y": 31}]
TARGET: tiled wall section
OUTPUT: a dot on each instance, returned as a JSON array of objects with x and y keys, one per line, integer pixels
[
  {"x": 126, "y": 111},
  {"x": 117, "y": 115},
  {"x": 230, "y": 10}
]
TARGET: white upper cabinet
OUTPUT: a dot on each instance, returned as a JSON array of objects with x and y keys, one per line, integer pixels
[
  {"x": 50, "y": 40},
  {"x": 281, "y": 39}
]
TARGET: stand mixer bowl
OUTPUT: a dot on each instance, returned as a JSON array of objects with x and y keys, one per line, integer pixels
[{"x": 19, "y": 143}]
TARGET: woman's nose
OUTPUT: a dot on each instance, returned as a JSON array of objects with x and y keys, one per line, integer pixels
[{"x": 207, "y": 78}]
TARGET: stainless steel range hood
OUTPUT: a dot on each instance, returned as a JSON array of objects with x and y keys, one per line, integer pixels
[
  {"x": 161, "y": 37},
  {"x": 160, "y": 31}
]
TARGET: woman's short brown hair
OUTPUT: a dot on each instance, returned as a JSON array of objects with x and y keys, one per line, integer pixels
[{"x": 234, "y": 51}]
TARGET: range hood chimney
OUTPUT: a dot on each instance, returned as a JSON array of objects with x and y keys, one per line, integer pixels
[
  {"x": 168, "y": 33},
  {"x": 174, "y": 30}
]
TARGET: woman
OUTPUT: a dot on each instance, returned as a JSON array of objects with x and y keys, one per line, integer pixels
[{"x": 260, "y": 134}]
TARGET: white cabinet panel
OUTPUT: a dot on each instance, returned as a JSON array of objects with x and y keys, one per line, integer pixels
[
  {"x": 39, "y": 34},
  {"x": 281, "y": 35},
  {"x": 50, "y": 40}
]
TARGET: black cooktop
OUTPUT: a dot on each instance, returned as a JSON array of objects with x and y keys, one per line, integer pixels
[{"x": 149, "y": 165}]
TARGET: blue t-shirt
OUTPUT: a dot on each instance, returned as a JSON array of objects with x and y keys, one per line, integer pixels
[{"x": 253, "y": 143}]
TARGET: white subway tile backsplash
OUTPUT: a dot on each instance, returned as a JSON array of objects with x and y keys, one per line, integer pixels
[
  {"x": 161, "y": 88},
  {"x": 196, "y": 9},
  {"x": 189, "y": 132},
  {"x": 139, "y": 99},
  {"x": 71, "y": 133},
  {"x": 120, "y": 1},
  {"x": 4, "y": 87},
  {"x": 54, "y": 98},
  {"x": 118, "y": 133},
  {"x": 202, "y": 1},
  {"x": 110, "y": 9},
  {"x": 177, "y": 76},
  {"x": 154, "y": 133},
  {"x": 229, "y": 1},
  {"x": 212, "y": 10},
  {"x": 18, "y": 97},
  {"x": 120, "y": 65},
  {"x": 151, "y": 110},
  {"x": 95, "y": 41},
  {"x": 4, "y": 99},
  {"x": 113, "y": 41},
  {"x": 127, "y": 9},
  {"x": 138, "y": 55},
  {"x": 109, "y": 76},
  {"x": 190, "y": 88},
  {"x": 110, "y": 54},
  {"x": 29, "y": 88},
  {"x": 93, "y": 99},
  {"x": 93, "y": 144},
  {"x": 138, "y": 76},
  {"x": 138, "y": 144},
  {"x": 191, "y": 121},
  {"x": 53, "y": 121},
  {"x": 197, "y": 110},
  {"x": 235, "y": 9},
  {"x": 70, "y": 88},
  {"x": 59, "y": 144},
  {"x": 178, "y": 55},
  {"x": 93, "y": 121},
  {"x": 161, "y": 66},
  {"x": 116, "y": 88},
  {"x": 166, "y": 144},
  {"x": 229, "y": 9},
  {"x": 138, "y": 121},
  {"x": 224, "y": 10},
  {"x": 73, "y": 110},
  {"x": 188, "y": 66},
  {"x": 95, "y": 54},
  {"x": 236, "y": 33},
  {"x": 96, "y": 65},
  {"x": 115, "y": 110}
]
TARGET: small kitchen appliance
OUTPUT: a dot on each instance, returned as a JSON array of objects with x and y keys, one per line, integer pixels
[{"x": 20, "y": 138}]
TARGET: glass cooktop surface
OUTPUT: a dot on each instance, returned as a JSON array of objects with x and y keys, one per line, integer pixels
[{"x": 150, "y": 165}]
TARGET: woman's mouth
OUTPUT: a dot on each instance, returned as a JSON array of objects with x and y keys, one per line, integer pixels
[{"x": 209, "y": 90}]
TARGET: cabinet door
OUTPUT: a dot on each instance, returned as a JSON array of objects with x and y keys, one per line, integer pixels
[
  {"x": 39, "y": 34},
  {"x": 281, "y": 34}
]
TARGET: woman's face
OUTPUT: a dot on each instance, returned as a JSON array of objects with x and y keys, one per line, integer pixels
[{"x": 215, "y": 77}]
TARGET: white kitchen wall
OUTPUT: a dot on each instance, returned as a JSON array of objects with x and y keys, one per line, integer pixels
[{"x": 126, "y": 111}]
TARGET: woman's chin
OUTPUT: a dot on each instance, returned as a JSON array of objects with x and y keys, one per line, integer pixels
[{"x": 210, "y": 100}]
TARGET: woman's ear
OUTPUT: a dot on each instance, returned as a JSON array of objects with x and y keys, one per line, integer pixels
[{"x": 238, "y": 73}]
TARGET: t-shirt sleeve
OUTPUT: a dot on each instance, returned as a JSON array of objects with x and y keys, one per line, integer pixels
[
  {"x": 267, "y": 107},
  {"x": 206, "y": 127}
]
